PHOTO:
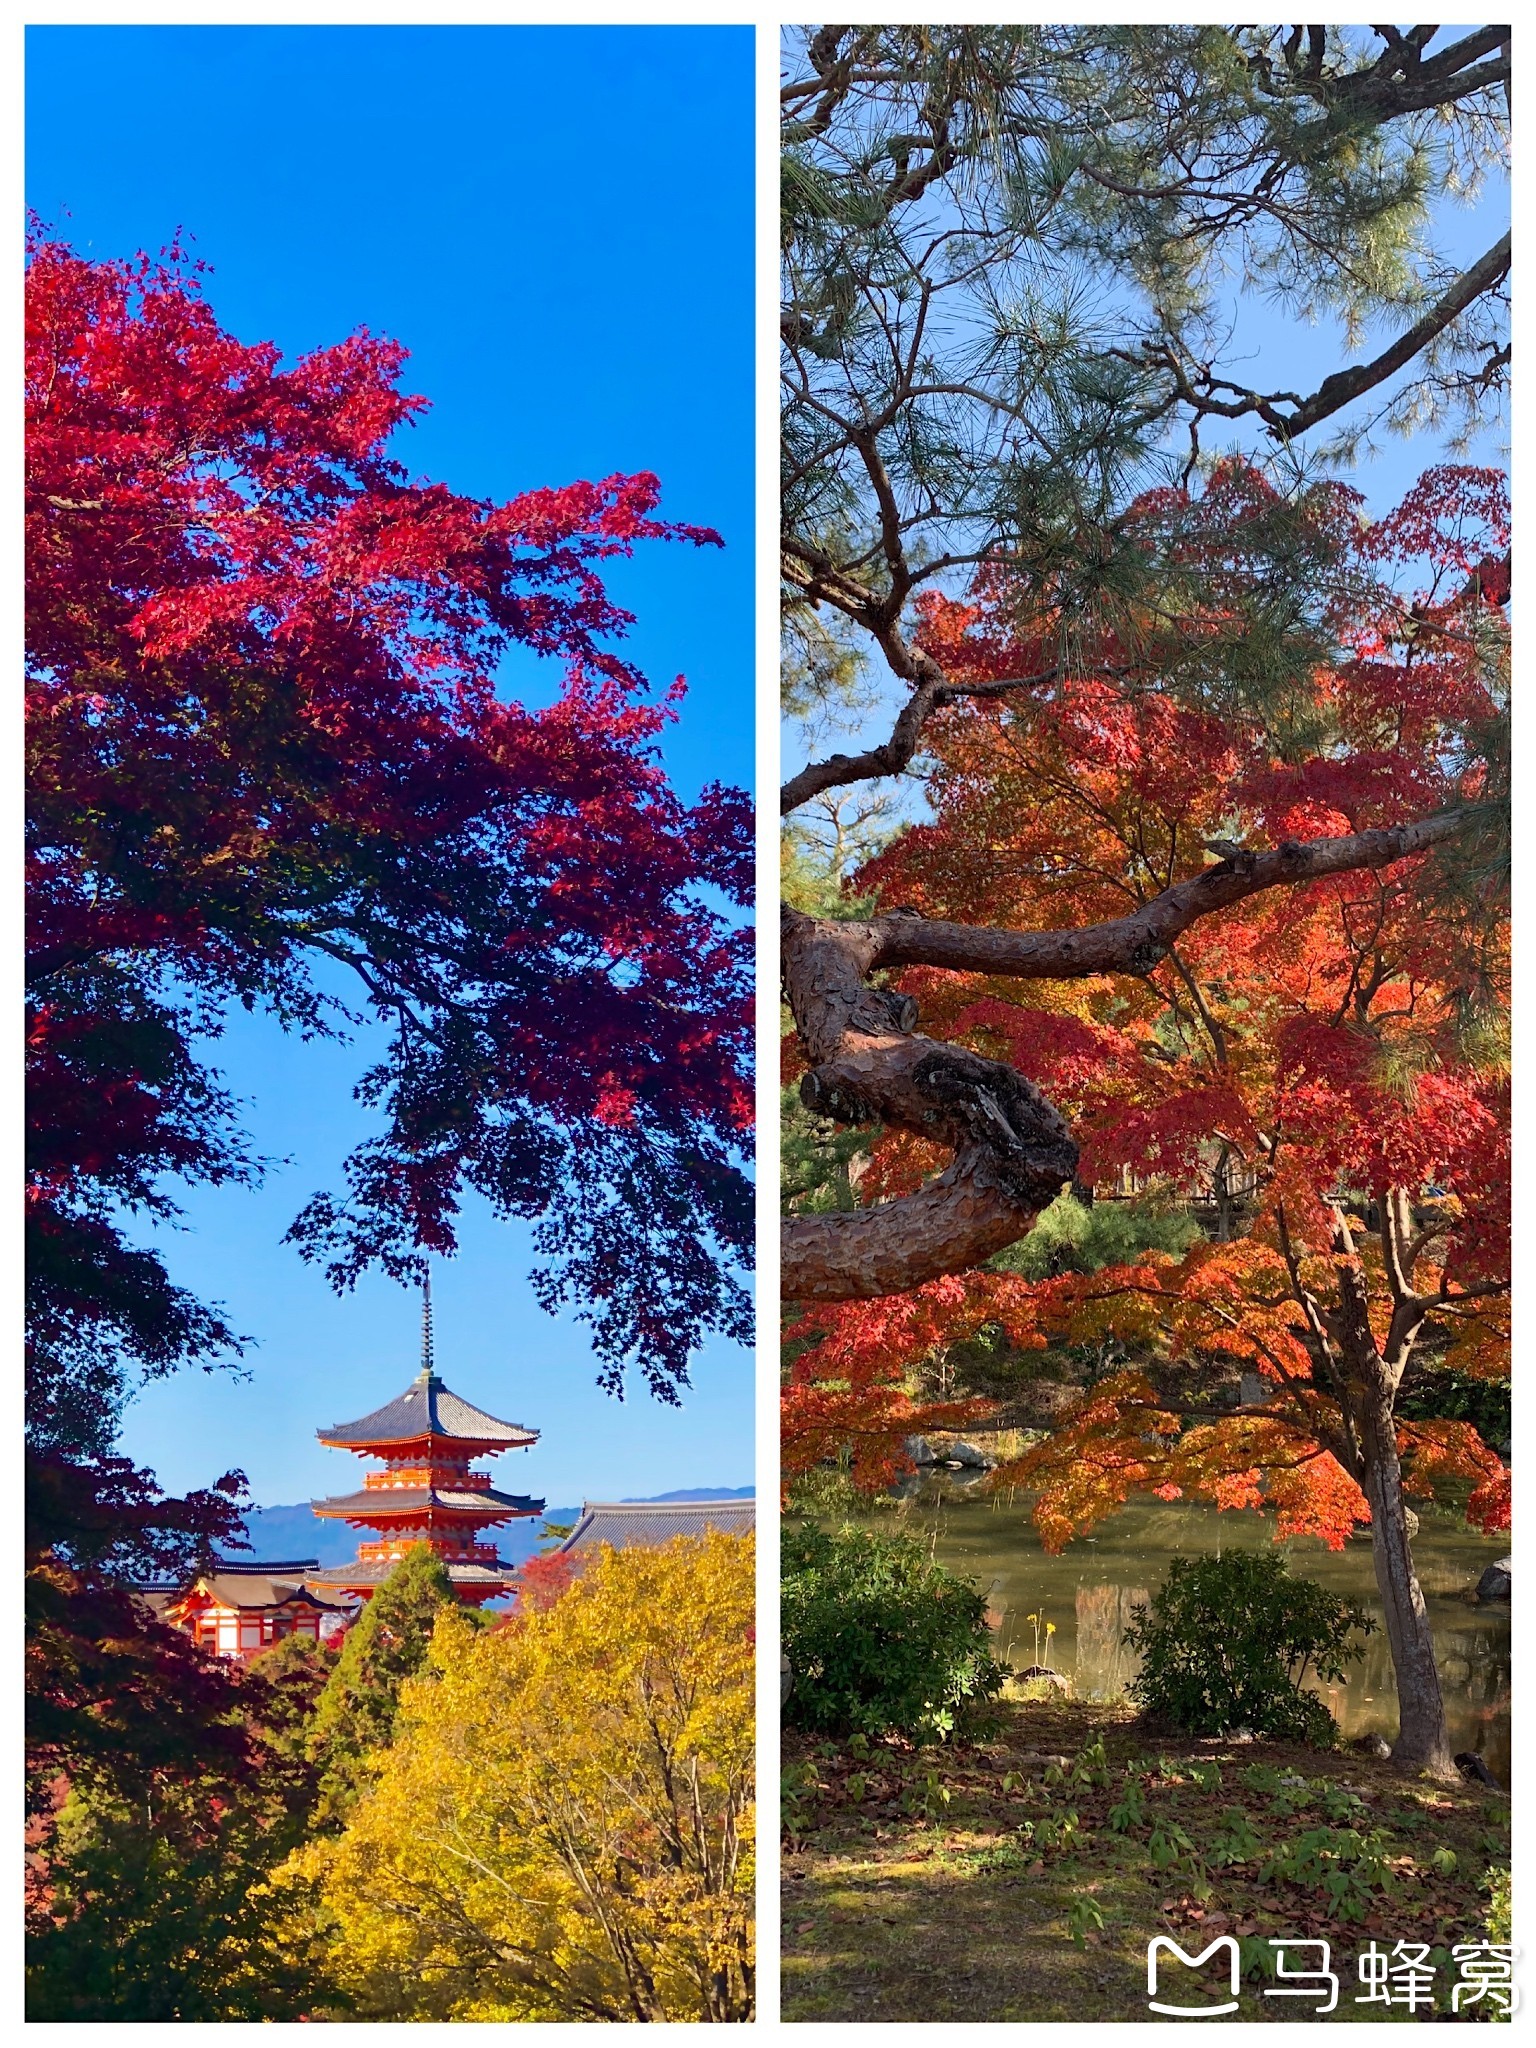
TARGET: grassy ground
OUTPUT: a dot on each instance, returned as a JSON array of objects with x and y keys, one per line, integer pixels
[{"x": 1020, "y": 1876}]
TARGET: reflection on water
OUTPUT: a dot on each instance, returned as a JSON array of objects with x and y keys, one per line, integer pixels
[{"x": 1088, "y": 1593}]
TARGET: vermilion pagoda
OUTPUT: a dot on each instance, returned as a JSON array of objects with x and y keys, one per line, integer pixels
[{"x": 426, "y": 1492}]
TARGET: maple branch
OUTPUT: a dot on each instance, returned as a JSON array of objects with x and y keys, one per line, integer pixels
[
  {"x": 1484, "y": 1290},
  {"x": 1305, "y": 1299},
  {"x": 1012, "y": 1150}
]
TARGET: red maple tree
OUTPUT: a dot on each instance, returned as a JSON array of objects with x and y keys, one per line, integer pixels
[
  {"x": 272, "y": 750},
  {"x": 1319, "y": 1066}
]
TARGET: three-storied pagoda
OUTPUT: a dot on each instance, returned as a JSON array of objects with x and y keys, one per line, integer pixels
[{"x": 426, "y": 1492}]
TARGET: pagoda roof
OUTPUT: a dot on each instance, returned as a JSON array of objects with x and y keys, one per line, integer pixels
[
  {"x": 379, "y": 1503},
  {"x": 342, "y": 1577},
  {"x": 427, "y": 1409}
]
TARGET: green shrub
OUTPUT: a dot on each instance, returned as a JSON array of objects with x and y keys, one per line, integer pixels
[
  {"x": 1457, "y": 1397},
  {"x": 1227, "y": 1642},
  {"x": 1076, "y": 1237},
  {"x": 1499, "y": 1918},
  {"x": 880, "y": 1638}
]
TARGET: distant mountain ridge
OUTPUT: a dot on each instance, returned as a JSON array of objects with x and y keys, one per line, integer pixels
[
  {"x": 295, "y": 1530},
  {"x": 692, "y": 1493}
]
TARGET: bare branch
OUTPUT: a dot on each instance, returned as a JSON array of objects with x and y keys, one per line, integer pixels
[{"x": 1344, "y": 386}]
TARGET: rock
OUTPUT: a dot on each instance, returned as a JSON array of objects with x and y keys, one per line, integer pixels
[
  {"x": 1471, "y": 1765},
  {"x": 959, "y": 1454},
  {"x": 1024, "y": 1686},
  {"x": 1372, "y": 1745},
  {"x": 967, "y": 1482},
  {"x": 962, "y": 1453},
  {"x": 786, "y": 1678},
  {"x": 1495, "y": 1582}
]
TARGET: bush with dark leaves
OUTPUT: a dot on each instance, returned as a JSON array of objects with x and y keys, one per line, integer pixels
[
  {"x": 880, "y": 1639},
  {"x": 1228, "y": 1642}
]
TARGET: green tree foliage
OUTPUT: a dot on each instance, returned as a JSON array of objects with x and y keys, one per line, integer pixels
[
  {"x": 1228, "y": 1641},
  {"x": 1072, "y": 1236},
  {"x": 157, "y": 1913},
  {"x": 147, "y": 1895},
  {"x": 293, "y": 1673},
  {"x": 1441, "y": 1391},
  {"x": 357, "y": 1708},
  {"x": 879, "y": 1637}
]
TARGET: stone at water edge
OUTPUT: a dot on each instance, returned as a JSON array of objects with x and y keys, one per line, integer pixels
[
  {"x": 1059, "y": 1679},
  {"x": 1471, "y": 1765},
  {"x": 1496, "y": 1580},
  {"x": 923, "y": 1451},
  {"x": 962, "y": 1453}
]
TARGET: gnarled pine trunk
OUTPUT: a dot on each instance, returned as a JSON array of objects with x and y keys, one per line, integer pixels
[{"x": 1012, "y": 1150}]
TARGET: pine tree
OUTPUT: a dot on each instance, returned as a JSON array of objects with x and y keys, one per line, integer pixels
[{"x": 354, "y": 1719}]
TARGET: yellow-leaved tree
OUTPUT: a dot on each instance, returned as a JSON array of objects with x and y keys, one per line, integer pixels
[{"x": 563, "y": 1826}]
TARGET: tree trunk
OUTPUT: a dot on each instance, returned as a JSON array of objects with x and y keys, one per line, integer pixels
[
  {"x": 1422, "y": 1742},
  {"x": 1012, "y": 1152}
]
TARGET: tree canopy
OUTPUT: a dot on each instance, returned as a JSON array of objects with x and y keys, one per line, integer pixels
[
  {"x": 563, "y": 1826},
  {"x": 276, "y": 760},
  {"x": 355, "y": 1712},
  {"x": 1204, "y": 889}
]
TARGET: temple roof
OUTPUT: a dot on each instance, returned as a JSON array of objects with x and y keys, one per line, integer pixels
[
  {"x": 621, "y": 1523},
  {"x": 427, "y": 1409},
  {"x": 378, "y": 1503},
  {"x": 255, "y": 1586}
]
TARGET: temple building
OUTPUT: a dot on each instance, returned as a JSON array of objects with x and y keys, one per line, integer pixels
[
  {"x": 620, "y": 1523},
  {"x": 426, "y": 1439},
  {"x": 236, "y": 1609}
]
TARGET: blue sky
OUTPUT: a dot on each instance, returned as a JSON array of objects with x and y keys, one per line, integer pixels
[{"x": 524, "y": 209}]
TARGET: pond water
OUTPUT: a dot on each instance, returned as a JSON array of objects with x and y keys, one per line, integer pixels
[{"x": 1088, "y": 1593}]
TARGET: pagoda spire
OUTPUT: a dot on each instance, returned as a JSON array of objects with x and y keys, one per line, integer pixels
[{"x": 426, "y": 1323}]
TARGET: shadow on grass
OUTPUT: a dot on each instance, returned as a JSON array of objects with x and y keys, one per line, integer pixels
[{"x": 916, "y": 1887}]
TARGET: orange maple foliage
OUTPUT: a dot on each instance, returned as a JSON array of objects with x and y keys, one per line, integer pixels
[{"x": 1306, "y": 1064}]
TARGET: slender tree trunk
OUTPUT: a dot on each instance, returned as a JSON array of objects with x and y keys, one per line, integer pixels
[{"x": 1422, "y": 1742}]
